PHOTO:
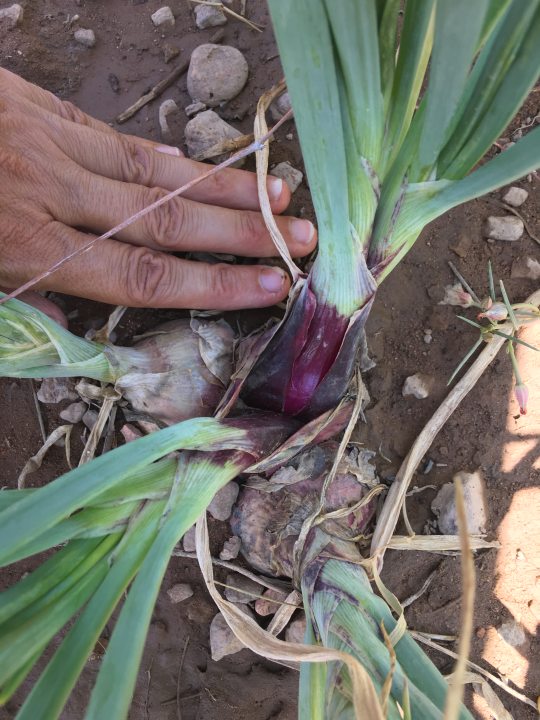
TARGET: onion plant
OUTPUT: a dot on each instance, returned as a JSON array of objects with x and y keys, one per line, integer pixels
[{"x": 394, "y": 118}]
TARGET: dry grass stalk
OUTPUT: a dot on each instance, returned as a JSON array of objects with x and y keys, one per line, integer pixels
[
  {"x": 34, "y": 463},
  {"x": 438, "y": 543}
]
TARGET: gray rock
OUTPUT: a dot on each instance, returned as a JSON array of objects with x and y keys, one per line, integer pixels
[
  {"x": 222, "y": 503},
  {"x": 207, "y": 129},
  {"x": 231, "y": 548},
  {"x": 194, "y": 108},
  {"x": 512, "y": 633},
  {"x": 296, "y": 630},
  {"x": 208, "y": 16},
  {"x": 74, "y": 413},
  {"x": 525, "y": 268},
  {"x": 239, "y": 584},
  {"x": 166, "y": 108},
  {"x": 85, "y": 36},
  {"x": 444, "y": 505},
  {"x": 419, "y": 385},
  {"x": 269, "y": 603},
  {"x": 287, "y": 172},
  {"x": 507, "y": 227},
  {"x": 188, "y": 541},
  {"x": 11, "y": 16},
  {"x": 515, "y": 196},
  {"x": 280, "y": 106},
  {"x": 54, "y": 390},
  {"x": 223, "y": 641},
  {"x": 130, "y": 432},
  {"x": 90, "y": 418},
  {"x": 179, "y": 592},
  {"x": 216, "y": 73},
  {"x": 163, "y": 16}
]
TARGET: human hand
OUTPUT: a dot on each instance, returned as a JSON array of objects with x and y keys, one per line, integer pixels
[{"x": 65, "y": 175}]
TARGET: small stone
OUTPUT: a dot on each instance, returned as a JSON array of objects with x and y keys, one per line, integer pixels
[
  {"x": 74, "y": 413},
  {"x": 216, "y": 73},
  {"x": 444, "y": 505},
  {"x": 170, "y": 52},
  {"x": 512, "y": 633},
  {"x": 90, "y": 418},
  {"x": 525, "y": 268},
  {"x": 85, "y": 37},
  {"x": 481, "y": 633},
  {"x": 280, "y": 106},
  {"x": 114, "y": 82},
  {"x": 188, "y": 541},
  {"x": 163, "y": 16},
  {"x": 223, "y": 641},
  {"x": 222, "y": 503},
  {"x": 206, "y": 130},
  {"x": 130, "y": 432},
  {"x": 418, "y": 385},
  {"x": 194, "y": 108},
  {"x": 462, "y": 246},
  {"x": 428, "y": 338},
  {"x": 507, "y": 227},
  {"x": 54, "y": 390},
  {"x": 208, "y": 16},
  {"x": 241, "y": 589},
  {"x": 12, "y": 16},
  {"x": 287, "y": 172},
  {"x": 269, "y": 603},
  {"x": 231, "y": 548},
  {"x": 296, "y": 631},
  {"x": 179, "y": 592},
  {"x": 515, "y": 196},
  {"x": 289, "y": 136},
  {"x": 166, "y": 108}
]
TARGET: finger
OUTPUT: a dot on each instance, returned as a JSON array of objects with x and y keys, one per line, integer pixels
[
  {"x": 119, "y": 157},
  {"x": 180, "y": 224},
  {"x": 122, "y": 274},
  {"x": 40, "y": 303}
]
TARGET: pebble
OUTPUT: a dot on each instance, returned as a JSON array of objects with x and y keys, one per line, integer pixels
[
  {"x": 239, "y": 585},
  {"x": 507, "y": 227},
  {"x": 166, "y": 108},
  {"x": 179, "y": 592},
  {"x": 85, "y": 36},
  {"x": 170, "y": 52},
  {"x": 231, "y": 548},
  {"x": 12, "y": 16},
  {"x": 194, "y": 108},
  {"x": 525, "y": 268},
  {"x": 90, "y": 418},
  {"x": 74, "y": 413},
  {"x": 223, "y": 641},
  {"x": 222, "y": 503},
  {"x": 54, "y": 390},
  {"x": 188, "y": 541},
  {"x": 208, "y": 16},
  {"x": 418, "y": 385},
  {"x": 163, "y": 16},
  {"x": 296, "y": 631},
  {"x": 268, "y": 604},
  {"x": 428, "y": 336},
  {"x": 287, "y": 172},
  {"x": 216, "y": 73},
  {"x": 444, "y": 505},
  {"x": 515, "y": 196},
  {"x": 512, "y": 633},
  {"x": 130, "y": 432},
  {"x": 205, "y": 130},
  {"x": 280, "y": 106}
]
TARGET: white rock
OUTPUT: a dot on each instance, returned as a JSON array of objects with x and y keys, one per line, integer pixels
[
  {"x": 74, "y": 412},
  {"x": 188, "y": 541},
  {"x": 527, "y": 268},
  {"x": 216, "y": 73},
  {"x": 223, "y": 641},
  {"x": 54, "y": 390},
  {"x": 515, "y": 196},
  {"x": 241, "y": 589},
  {"x": 418, "y": 385},
  {"x": 85, "y": 37},
  {"x": 287, "y": 172},
  {"x": 12, "y": 16},
  {"x": 194, "y": 108},
  {"x": 163, "y": 16},
  {"x": 231, "y": 548},
  {"x": 512, "y": 633},
  {"x": 508, "y": 227},
  {"x": 208, "y": 16},
  {"x": 222, "y": 503},
  {"x": 444, "y": 505},
  {"x": 179, "y": 592},
  {"x": 296, "y": 630},
  {"x": 280, "y": 106},
  {"x": 207, "y": 129},
  {"x": 166, "y": 108},
  {"x": 269, "y": 603}
]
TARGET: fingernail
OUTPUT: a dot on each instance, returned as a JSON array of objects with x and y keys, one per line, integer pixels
[
  {"x": 168, "y": 150},
  {"x": 302, "y": 231},
  {"x": 272, "y": 279},
  {"x": 274, "y": 186}
]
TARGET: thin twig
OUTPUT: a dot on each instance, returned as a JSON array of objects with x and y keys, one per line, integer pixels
[
  {"x": 415, "y": 596},
  {"x": 147, "y": 698},
  {"x": 38, "y": 413},
  {"x": 178, "y": 711},
  {"x": 462, "y": 280}
]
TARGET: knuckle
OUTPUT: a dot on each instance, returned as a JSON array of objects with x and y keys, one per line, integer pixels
[
  {"x": 224, "y": 281},
  {"x": 137, "y": 163},
  {"x": 147, "y": 277},
  {"x": 251, "y": 227},
  {"x": 69, "y": 111},
  {"x": 169, "y": 223}
]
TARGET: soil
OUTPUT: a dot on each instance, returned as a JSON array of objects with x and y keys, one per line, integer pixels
[{"x": 485, "y": 433}]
